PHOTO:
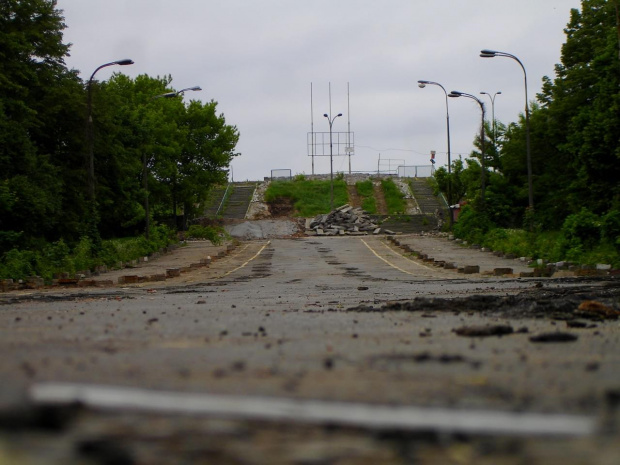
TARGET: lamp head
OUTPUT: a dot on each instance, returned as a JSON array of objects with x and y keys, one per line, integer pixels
[
  {"x": 325, "y": 115},
  {"x": 498, "y": 92},
  {"x": 487, "y": 53},
  {"x": 421, "y": 85},
  {"x": 339, "y": 114},
  {"x": 455, "y": 93},
  {"x": 195, "y": 88},
  {"x": 124, "y": 62}
]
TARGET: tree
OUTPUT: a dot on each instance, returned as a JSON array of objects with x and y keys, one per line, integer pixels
[
  {"x": 38, "y": 110},
  {"x": 207, "y": 151},
  {"x": 583, "y": 106},
  {"x": 454, "y": 180},
  {"x": 186, "y": 149},
  {"x": 131, "y": 127}
]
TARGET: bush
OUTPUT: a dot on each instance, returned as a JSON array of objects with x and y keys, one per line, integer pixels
[
  {"x": 513, "y": 241},
  {"x": 472, "y": 225},
  {"x": 48, "y": 259},
  {"x": 580, "y": 232},
  {"x": 610, "y": 228},
  {"x": 212, "y": 233},
  {"x": 18, "y": 264},
  {"x": 83, "y": 258}
]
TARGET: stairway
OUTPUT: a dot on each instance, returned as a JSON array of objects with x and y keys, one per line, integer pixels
[
  {"x": 216, "y": 195},
  {"x": 427, "y": 201},
  {"x": 240, "y": 196},
  {"x": 413, "y": 224}
]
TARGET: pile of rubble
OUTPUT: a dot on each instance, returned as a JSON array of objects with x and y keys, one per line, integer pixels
[{"x": 345, "y": 220}]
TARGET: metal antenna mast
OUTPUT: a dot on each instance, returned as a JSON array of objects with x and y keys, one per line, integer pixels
[
  {"x": 349, "y": 127},
  {"x": 311, "y": 129}
]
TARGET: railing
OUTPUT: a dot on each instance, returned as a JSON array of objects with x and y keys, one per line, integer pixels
[{"x": 224, "y": 197}]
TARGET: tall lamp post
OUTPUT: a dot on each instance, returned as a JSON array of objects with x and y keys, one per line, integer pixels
[
  {"x": 145, "y": 177},
  {"x": 492, "y": 97},
  {"x": 177, "y": 93},
  {"x": 422, "y": 84},
  {"x": 331, "y": 160},
  {"x": 91, "y": 134},
  {"x": 494, "y": 53},
  {"x": 455, "y": 94}
]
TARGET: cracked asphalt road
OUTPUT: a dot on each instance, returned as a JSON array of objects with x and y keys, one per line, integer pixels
[{"x": 331, "y": 319}]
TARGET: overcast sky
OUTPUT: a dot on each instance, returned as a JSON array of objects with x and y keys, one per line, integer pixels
[{"x": 259, "y": 60}]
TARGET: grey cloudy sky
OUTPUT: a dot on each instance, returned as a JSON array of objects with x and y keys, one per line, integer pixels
[{"x": 257, "y": 59}]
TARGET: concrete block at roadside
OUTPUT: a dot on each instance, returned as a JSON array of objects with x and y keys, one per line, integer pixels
[{"x": 173, "y": 272}]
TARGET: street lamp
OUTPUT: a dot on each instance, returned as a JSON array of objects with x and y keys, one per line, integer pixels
[
  {"x": 147, "y": 226},
  {"x": 331, "y": 160},
  {"x": 491, "y": 54},
  {"x": 422, "y": 85},
  {"x": 456, "y": 93},
  {"x": 178, "y": 92},
  {"x": 493, "y": 112},
  {"x": 91, "y": 135}
]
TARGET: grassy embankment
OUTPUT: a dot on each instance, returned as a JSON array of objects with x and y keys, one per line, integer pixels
[
  {"x": 311, "y": 198},
  {"x": 367, "y": 195}
]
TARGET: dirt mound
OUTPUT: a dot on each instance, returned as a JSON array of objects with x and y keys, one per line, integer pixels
[{"x": 281, "y": 207}]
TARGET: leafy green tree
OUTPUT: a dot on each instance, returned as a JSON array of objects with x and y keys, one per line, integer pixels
[
  {"x": 583, "y": 106},
  {"x": 205, "y": 155},
  {"x": 452, "y": 184},
  {"x": 187, "y": 149},
  {"x": 131, "y": 127},
  {"x": 39, "y": 108}
]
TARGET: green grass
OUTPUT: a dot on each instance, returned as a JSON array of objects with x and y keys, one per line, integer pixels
[
  {"x": 366, "y": 192},
  {"x": 394, "y": 198},
  {"x": 310, "y": 198}
]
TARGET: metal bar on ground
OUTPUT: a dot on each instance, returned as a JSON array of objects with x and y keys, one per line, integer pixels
[{"x": 370, "y": 416}]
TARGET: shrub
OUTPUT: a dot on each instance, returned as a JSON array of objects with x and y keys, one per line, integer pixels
[
  {"x": 18, "y": 264},
  {"x": 212, "y": 233},
  {"x": 610, "y": 228},
  {"x": 83, "y": 254},
  {"x": 472, "y": 225},
  {"x": 580, "y": 232}
]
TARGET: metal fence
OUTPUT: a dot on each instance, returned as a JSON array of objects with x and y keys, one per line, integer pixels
[
  {"x": 416, "y": 171},
  {"x": 281, "y": 175}
]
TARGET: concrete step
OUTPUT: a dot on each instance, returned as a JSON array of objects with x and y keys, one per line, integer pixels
[
  {"x": 423, "y": 193},
  {"x": 239, "y": 201},
  {"x": 216, "y": 195}
]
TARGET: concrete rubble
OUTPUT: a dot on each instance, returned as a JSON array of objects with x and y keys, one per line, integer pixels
[{"x": 344, "y": 221}]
